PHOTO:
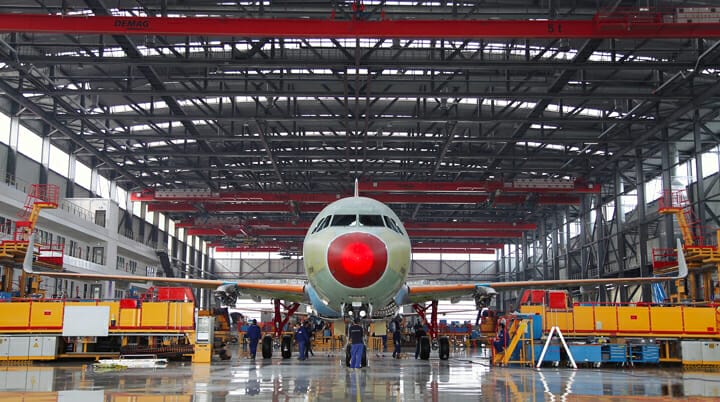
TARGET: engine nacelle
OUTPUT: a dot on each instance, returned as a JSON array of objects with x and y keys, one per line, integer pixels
[
  {"x": 483, "y": 296},
  {"x": 227, "y": 294}
]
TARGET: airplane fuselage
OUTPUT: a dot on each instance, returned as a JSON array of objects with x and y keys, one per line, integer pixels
[{"x": 357, "y": 256}]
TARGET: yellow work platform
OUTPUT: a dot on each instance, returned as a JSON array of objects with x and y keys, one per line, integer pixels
[{"x": 631, "y": 320}]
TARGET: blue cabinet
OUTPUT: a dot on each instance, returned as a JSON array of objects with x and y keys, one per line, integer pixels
[
  {"x": 551, "y": 355},
  {"x": 614, "y": 353},
  {"x": 586, "y": 353},
  {"x": 644, "y": 353}
]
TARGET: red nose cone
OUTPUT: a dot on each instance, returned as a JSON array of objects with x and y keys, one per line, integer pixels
[{"x": 357, "y": 260}]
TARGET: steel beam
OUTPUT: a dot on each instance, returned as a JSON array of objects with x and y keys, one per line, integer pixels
[
  {"x": 480, "y": 186},
  {"x": 305, "y": 224},
  {"x": 300, "y": 232},
  {"x": 650, "y": 27}
]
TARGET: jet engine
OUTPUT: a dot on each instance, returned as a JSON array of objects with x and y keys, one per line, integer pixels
[
  {"x": 227, "y": 294},
  {"x": 483, "y": 296}
]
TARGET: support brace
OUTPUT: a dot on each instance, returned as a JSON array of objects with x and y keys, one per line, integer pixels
[
  {"x": 278, "y": 321},
  {"x": 433, "y": 324}
]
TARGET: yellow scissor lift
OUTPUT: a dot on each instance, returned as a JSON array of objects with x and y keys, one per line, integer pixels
[
  {"x": 697, "y": 254},
  {"x": 13, "y": 250}
]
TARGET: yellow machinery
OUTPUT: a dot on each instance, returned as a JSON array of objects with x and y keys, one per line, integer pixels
[
  {"x": 136, "y": 326},
  {"x": 666, "y": 325},
  {"x": 703, "y": 260}
]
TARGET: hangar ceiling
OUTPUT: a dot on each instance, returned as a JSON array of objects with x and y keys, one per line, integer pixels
[{"x": 242, "y": 137}]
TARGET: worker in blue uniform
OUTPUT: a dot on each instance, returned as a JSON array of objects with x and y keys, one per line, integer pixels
[
  {"x": 355, "y": 333},
  {"x": 253, "y": 335},
  {"x": 301, "y": 337},
  {"x": 397, "y": 338},
  {"x": 501, "y": 341}
]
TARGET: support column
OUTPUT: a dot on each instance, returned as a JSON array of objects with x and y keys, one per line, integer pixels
[
  {"x": 71, "y": 173},
  {"x": 642, "y": 221},
  {"x": 544, "y": 246},
  {"x": 620, "y": 233},
  {"x": 556, "y": 236},
  {"x": 44, "y": 157},
  {"x": 14, "y": 134}
]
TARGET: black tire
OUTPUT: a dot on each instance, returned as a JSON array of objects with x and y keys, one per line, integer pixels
[
  {"x": 444, "y": 348},
  {"x": 425, "y": 348},
  {"x": 267, "y": 346},
  {"x": 286, "y": 346}
]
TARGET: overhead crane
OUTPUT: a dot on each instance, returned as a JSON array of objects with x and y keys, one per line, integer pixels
[
  {"x": 640, "y": 23},
  {"x": 244, "y": 235}
]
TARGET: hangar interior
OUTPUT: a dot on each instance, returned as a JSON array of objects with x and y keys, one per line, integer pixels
[
  {"x": 559, "y": 140},
  {"x": 552, "y": 154}
]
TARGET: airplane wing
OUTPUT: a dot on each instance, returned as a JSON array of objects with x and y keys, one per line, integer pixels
[
  {"x": 289, "y": 292},
  {"x": 425, "y": 293}
]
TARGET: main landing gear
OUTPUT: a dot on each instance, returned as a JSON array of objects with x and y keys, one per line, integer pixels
[
  {"x": 442, "y": 343},
  {"x": 279, "y": 323}
]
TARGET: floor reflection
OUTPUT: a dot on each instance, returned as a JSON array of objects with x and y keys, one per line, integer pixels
[{"x": 463, "y": 377}]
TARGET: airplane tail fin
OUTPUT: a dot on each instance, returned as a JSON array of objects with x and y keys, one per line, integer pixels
[
  {"x": 682, "y": 265},
  {"x": 27, "y": 261},
  {"x": 357, "y": 190}
]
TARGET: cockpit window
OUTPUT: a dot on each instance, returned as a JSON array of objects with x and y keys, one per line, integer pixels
[
  {"x": 371, "y": 220},
  {"x": 344, "y": 220},
  {"x": 390, "y": 222},
  {"x": 322, "y": 224}
]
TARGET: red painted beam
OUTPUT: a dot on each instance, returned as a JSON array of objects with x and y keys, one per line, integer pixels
[
  {"x": 490, "y": 251},
  {"x": 443, "y": 234},
  {"x": 214, "y": 208},
  {"x": 518, "y": 186},
  {"x": 271, "y": 249},
  {"x": 446, "y": 248},
  {"x": 248, "y": 249},
  {"x": 457, "y": 245},
  {"x": 651, "y": 25},
  {"x": 240, "y": 232},
  {"x": 300, "y": 232},
  {"x": 257, "y": 197},
  {"x": 305, "y": 224},
  {"x": 232, "y": 197},
  {"x": 247, "y": 207},
  {"x": 172, "y": 207},
  {"x": 280, "y": 244},
  {"x": 471, "y": 226}
]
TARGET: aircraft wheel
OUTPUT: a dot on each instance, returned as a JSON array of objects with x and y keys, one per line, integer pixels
[
  {"x": 425, "y": 348},
  {"x": 444, "y": 348},
  {"x": 267, "y": 346},
  {"x": 286, "y": 346}
]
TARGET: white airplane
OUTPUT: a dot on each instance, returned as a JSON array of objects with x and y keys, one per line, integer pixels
[{"x": 357, "y": 257}]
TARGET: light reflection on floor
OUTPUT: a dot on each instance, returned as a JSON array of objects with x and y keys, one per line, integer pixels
[{"x": 465, "y": 377}]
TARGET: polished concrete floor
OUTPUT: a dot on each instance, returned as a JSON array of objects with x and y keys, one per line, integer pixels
[{"x": 467, "y": 376}]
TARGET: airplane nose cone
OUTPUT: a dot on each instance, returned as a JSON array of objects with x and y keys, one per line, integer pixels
[{"x": 357, "y": 260}]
